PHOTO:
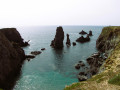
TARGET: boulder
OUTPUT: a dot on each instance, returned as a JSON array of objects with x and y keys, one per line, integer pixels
[
  {"x": 68, "y": 43},
  {"x": 77, "y": 66},
  {"x": 83, "y": 32},
  {"x": 57, "y": 43},
  {"x": 82, "y": 78},
  {"x": 74, "y": 43},
  {"x": 43, "y": 49}
]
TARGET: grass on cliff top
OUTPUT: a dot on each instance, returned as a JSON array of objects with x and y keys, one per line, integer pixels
[
  {"x": 115, "y": 80},
  {"x": 110, "y": 29}
]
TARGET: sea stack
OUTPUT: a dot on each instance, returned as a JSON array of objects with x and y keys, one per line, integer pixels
[
  {"x": 68, "y": 43},
  {"x": 57, "y": 43},
  {"x": 90, "y": 33}
]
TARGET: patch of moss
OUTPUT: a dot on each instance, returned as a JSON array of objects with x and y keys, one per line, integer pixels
[
  {"x": 97, "y": 77},
  {"x": 73, "y": 86},
  {"x": 115, "y": 80}
]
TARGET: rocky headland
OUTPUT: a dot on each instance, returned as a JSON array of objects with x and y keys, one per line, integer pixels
[
  {"x": 12, "y": 57},
  {"x": 107, "y": 67}
]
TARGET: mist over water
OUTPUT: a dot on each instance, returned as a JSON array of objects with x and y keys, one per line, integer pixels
[{"x": 54, "y": 69}]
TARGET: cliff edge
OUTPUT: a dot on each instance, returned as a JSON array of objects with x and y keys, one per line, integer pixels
[
  {"x": 109, "y": 76},
  {"x": 11, "y": 59}
]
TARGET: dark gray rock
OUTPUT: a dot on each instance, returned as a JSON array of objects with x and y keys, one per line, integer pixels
[
  {"x": 36, "y": 52},
  {"x": 90, "y": 33},
  {"x": 57, "y": 43},
  {"x": 74, "y": 43},
  {"x": 83, "y": 32},
  {"x": 12, "y": 57},
  {"x": 68, "y": 43},
  {"x": 82, "y": 39},
  {"x": 14, "y": 36}
]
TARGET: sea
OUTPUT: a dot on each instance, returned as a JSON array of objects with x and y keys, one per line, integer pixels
[{"x": 54, "y": 69}]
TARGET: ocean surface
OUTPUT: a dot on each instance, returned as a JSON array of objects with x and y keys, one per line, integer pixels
[{"x": 54, "y": 69}]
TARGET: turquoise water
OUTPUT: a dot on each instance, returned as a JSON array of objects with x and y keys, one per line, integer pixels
[{"x": 53, "y": 69}]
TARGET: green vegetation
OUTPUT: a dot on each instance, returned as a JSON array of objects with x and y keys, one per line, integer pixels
[
  {"x": 73, "y": 86},
  {"x": 110, "y": 37},
  {"x": 115, "y": 80}
]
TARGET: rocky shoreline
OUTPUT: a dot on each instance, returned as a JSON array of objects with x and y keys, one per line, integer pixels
[{"x": 104, "y": 64}]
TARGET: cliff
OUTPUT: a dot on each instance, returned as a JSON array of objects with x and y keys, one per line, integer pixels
[
  {"x": 11, "y": 58},
  {"x": 13, "y": 36},
  {"x": 109, "y": 76}
]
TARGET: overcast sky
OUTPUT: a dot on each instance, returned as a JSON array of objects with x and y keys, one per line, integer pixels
[{"x": 59, "y": 12}]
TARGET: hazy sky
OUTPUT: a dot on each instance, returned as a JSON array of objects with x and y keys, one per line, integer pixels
[{"x": 59, "y": 12}]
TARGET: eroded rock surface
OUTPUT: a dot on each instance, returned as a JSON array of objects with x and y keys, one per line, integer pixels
[
  {"x": 57, "y": 43},
  {"x": 68, "y": 40},
  {"x": 14, "y": 36},
  {"x": 11, "y": 59}
]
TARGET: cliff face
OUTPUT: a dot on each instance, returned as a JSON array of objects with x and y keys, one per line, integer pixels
[
  {"x": 108, "y": 39},
  {"x": 13, "y": 35},
  {"x": 109, "y": 76},
  {"x": 11, "y": 58}
]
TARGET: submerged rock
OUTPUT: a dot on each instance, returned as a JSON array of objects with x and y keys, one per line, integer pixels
[
  {"x": 83, "y": 32},
  {"x": 36, "y": 52},
  {"x": 14, "y": 36},
  {"x": 43, "y": 49},
  {"x": 57, "y": 43},
  {"x": 68, "y": 43},
  {"x": 30, "y": 56}
]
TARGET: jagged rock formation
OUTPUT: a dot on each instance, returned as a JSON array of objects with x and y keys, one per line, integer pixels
[
  {"x": 68, "y": 43},
  {"x": 90, "y": 33},
  {"x": 82, "y": 39},
  {"x": 11, "y": 59},
  {"x": 57, "y": 43},
  {"x": 83, "y": 32},
  {"x": 107, "y": 39},
  {"x": 13, "y": 36}
]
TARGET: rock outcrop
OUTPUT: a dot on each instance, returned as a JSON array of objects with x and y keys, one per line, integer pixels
[
  {"x": 83, "y": 32},
  {"x": 57, "y": 43},
  {"x": 13, "y": 36},
  {"x": 82, "y": 39},
  {"x": 95, "y": 61},
  {"x": 108, "y": 44},
  {"x": 74, "y": 43},
  {"x": 11, "y": 58},
  {"x": 68, "y": 43},
  {"x": 90, "y": 33},
  {"x": 107, "y": 39}
]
